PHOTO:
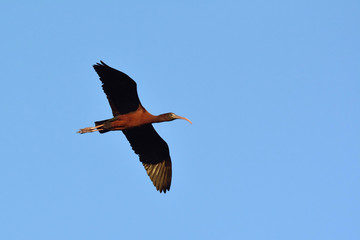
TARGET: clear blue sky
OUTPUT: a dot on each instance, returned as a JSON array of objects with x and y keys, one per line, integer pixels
[{"x": 272, "y": 88}]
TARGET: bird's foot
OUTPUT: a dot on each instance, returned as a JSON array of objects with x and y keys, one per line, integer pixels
[{"x": 90, "y": 129}]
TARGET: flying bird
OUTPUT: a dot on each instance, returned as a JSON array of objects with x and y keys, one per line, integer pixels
[{"x": 135, "y": 122}]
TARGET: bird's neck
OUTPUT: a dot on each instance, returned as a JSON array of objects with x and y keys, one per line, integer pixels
[
  {"x": 160, "y": 118},
  {"x": 149, "y": 118}
]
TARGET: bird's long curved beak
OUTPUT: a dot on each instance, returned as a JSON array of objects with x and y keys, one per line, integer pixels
[{"x": 184, "y": 118}]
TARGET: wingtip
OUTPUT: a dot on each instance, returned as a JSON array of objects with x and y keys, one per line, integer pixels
[
  {"x": 164, "y": 190},
  {"x": 102, "y": 64},
  {"x": 160, "y": 175}
]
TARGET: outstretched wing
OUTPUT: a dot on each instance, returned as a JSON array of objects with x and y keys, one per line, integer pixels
[
  {"x": 154, "y": 154},
  {"x": 119, "y": 88},
  {"x": 153, "y": 151}
]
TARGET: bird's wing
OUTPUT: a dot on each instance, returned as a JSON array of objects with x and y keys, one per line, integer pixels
[
  {"x": 154, "y": 154},
  {"x": 119, "y": 88}
]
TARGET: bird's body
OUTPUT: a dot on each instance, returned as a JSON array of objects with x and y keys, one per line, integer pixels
[{"x": 136, "y": 123}]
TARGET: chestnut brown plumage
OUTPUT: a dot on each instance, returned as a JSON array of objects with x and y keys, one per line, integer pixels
[{"x": 136, "y": 123}]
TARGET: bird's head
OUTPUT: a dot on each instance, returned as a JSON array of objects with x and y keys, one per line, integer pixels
[{"x": 173, "y": 116}]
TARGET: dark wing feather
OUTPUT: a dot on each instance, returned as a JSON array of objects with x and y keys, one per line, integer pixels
[
  {"x": 119, "y": 88},
  {"x": 154, "y": 154}
]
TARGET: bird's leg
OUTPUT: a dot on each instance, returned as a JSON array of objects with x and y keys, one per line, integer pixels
[{"x": 90, "y": 129}]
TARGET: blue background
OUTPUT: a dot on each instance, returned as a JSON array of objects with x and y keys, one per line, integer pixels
[{"x": 272, "y": 88}]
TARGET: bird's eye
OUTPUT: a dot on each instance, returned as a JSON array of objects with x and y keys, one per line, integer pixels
[{"x": 172, "y": 115}]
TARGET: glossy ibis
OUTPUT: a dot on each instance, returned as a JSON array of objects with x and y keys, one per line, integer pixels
[{"x": 136, "y": 123}]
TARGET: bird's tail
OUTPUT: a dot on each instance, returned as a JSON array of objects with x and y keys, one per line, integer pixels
[{"x": 100, "y": 123}]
